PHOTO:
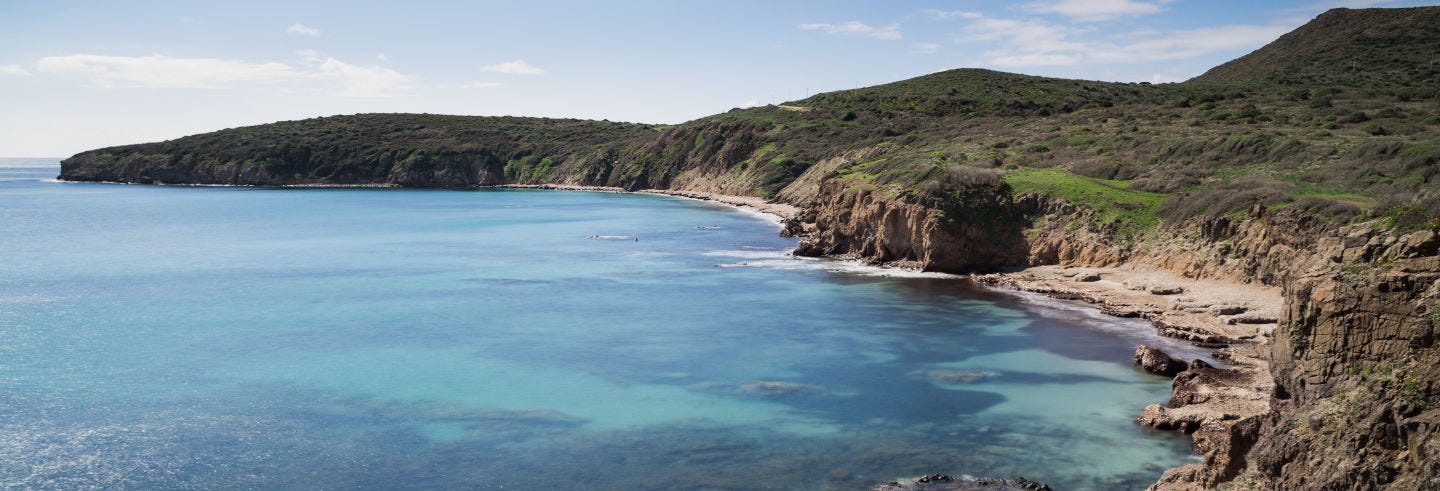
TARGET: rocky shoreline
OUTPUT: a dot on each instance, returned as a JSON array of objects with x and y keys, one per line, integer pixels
[{"x": 1220, "y": 407}]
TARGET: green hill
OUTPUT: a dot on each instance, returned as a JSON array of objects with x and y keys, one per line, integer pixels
[{"x": 1298, "y": 122}]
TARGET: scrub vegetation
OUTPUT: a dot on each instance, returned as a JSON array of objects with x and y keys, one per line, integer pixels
[{"x": 1335, "y": 119}]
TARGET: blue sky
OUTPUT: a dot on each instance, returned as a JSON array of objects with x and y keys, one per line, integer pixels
[{"x": 76, "y": 75}]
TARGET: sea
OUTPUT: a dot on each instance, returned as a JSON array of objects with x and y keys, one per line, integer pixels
[{"x": 169, "y": 337}]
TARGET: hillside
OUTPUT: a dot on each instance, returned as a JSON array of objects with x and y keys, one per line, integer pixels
[
  {"x": 398, "y": 149},
  {"x": 1309, "y": 165},
  {"x": 1368, "y": 49}
]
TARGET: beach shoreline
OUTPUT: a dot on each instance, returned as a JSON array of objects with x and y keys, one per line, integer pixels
[
  {"x": 1216, "y": 406},
  {"x": 778, "y": 212}
]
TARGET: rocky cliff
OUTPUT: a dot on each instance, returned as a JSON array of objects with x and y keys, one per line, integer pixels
[{"x": 1356, "y": 364}]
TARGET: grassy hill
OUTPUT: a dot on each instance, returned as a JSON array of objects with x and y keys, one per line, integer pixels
[{"x": 1299, "y": 123}]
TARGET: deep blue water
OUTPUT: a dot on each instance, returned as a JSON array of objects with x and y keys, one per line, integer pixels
[{"x": 179, "y": 337}]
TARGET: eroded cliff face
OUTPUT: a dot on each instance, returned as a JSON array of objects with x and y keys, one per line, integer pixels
[
  {"x": 861, "y": 224},
  {"x": 1355, "y": 367}
]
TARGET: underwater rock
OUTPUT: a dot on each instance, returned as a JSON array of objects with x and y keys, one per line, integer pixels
[
  {"x": 949, "y": 376},
  {"x": 773, "y": 388},
  {"x": 942, "y": 482}
]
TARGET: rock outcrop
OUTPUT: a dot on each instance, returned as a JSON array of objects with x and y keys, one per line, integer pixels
[
  {"x": 1157, "y": 362},
  {"x": 864, "y": 225}
]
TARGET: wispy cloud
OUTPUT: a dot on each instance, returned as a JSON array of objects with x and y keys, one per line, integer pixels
[
  {"x": 1096, "y": 10},
  {"x": 517, "y": 67},
  {"x": 482, "y": 85},
  {"x": 163, "y": 72},
  {"x": 927, "y": 48},
  {"x": 855, "y": 28},
  {"x": 1036, "y": 42},
  {"x": 303, "y": 30},
  {"x": 951, "y": 14},
  {"x": 159, "y": 71},
  {"x": 359, "y": 81},
  {"x": 16, "y": 70}
]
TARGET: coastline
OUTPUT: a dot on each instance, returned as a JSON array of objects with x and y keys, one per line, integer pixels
[{"x": 778, "y": 212}]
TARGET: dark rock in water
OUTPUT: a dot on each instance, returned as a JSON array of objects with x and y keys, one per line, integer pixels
[
  {"x": 1157, "y": 362},
  {"x": 948, "y": 376},
  {"x": 770, "y": 388},
  {"x": 942, "y": 482}
]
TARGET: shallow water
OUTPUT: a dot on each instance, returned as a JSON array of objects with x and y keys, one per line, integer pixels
[{"x": 176, "y": 337}]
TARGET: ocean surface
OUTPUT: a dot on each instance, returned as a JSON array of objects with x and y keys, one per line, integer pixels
[{"x": 156, "y": 337}]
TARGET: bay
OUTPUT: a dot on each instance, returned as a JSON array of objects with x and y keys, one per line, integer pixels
[{"x": 163, "y": 337}]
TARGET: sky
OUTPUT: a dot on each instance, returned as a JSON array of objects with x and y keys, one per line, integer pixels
[{"x": 78, "y": 75}]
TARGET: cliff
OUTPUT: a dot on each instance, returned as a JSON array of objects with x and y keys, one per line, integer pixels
[{"x": 1356, "y": 365}]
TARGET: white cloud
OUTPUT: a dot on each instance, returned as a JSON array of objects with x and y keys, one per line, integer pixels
[
  {"x": 158, "y": 71},
  {"x": 749, "y": 104},
  {"x": 481, "y": 85},
  {"x": 303, "y": 30},
  {"x": 382, "y": 57},
  {"x": 854, "y": 28},
  {"x": 951, "y": 14},
  {"x": 1036, "y": 42},
  {"x": 358, "y": 81},
  {"x": 164, "y": 71},
  {"x": 517, "y": 67},
  {"x": 1096, "y": 10},
  {"x": 14, "y": 70},
  {"x": 927, "y": 48}
]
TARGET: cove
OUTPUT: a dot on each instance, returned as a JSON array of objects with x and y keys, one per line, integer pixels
[{"x": 180, "y": 337}]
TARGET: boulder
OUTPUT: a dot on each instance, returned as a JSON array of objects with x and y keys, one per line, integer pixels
[{"x": 1157, "y": 362}]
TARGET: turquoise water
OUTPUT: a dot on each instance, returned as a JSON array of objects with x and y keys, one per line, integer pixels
[{"x": 181, "y": 337}]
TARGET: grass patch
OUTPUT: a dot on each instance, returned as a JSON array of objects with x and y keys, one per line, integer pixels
[{"x": 1128, "y": 213}]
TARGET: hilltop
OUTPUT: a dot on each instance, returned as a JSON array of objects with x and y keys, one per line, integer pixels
[
  {"x": 1308, "y": 166},
  {"x": 1368, "y": 49}
]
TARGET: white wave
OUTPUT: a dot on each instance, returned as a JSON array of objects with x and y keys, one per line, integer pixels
[
  {"x": 783, "y": 260},
  {"x": 766, "y": 254}
]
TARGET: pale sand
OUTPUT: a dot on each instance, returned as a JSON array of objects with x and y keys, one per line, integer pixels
[{"x": 780, "y": 211}]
